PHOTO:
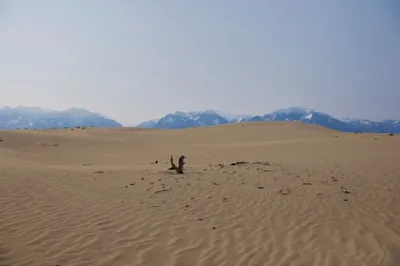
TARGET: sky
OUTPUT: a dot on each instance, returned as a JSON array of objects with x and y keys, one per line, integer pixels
[{"x": 135, "y": 60}]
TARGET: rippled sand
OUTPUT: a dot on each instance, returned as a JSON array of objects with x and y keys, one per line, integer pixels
[{"x": 304, "y": 195}]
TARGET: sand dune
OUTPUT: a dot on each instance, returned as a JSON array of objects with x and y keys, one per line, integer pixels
[{"x": 305, "y": 195}]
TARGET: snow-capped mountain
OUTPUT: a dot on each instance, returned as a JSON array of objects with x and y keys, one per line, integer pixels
[
  {"x": 37, "y": 118},
  {"x": 305, "y": 115},
  {"x": 179, "y": 120}
]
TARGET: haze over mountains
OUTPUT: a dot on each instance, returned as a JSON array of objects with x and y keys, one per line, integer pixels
[
  {"x": 180, "y": 120},
  {"x": 37, "y": 118}
]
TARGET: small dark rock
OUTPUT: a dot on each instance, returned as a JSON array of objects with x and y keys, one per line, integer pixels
[
  {"x": 307, "y": 184},
  {"x": 239, "y": 163},
  {"x": 132, "y": 184},
  {"x": 345, "y": 199},
  {"x": 214, "y": 228},
  {"x": 391, "y": 134},
  {"x": 260, "y": 187}
]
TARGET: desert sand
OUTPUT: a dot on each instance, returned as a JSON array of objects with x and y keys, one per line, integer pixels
[{"x": 303, "y": 195}]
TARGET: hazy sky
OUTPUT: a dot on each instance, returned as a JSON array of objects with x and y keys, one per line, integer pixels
[{"x": 140, "y": 59}]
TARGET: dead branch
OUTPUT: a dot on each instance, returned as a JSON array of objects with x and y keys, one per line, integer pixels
[
  {"x": 179, "y": 168},
  {"x": 173, "y": 166}
]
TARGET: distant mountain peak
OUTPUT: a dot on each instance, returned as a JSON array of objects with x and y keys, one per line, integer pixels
[
  {"x": 77, "y": 111},
  {"x": 38, "y": 118},
  {"x": 180, "y": 120},
  {"x": 295, "y": 109},
  {"x": 178, "y": 113}
]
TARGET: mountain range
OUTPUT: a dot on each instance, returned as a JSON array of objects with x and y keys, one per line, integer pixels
[
  {"x": 37, "y": 118},
  {"x": 181, "y": 120}
]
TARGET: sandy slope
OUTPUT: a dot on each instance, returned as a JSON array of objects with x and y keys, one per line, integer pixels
[{"x": 287, "y": 206}]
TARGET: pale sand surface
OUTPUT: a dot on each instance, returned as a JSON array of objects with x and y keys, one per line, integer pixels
[{"x": 290, "y": 208}]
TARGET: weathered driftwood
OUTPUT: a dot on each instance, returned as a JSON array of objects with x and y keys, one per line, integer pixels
[{"x": 179, "y": 168}]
